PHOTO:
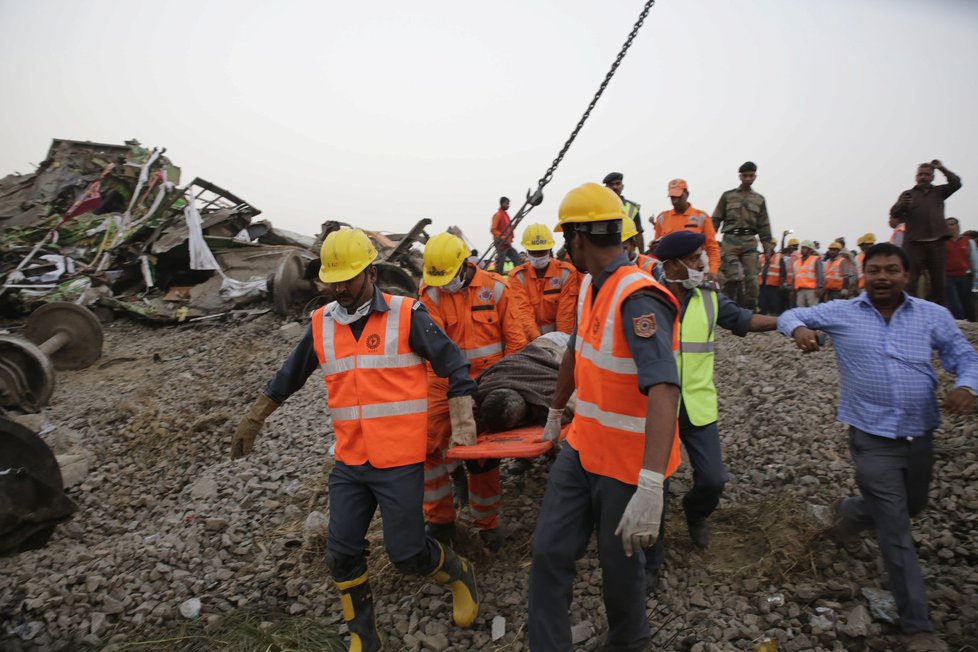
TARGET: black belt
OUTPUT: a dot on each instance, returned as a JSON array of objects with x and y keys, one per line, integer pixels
[{"x": 743, "y": 231}]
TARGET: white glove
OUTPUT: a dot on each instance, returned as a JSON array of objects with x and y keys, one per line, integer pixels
[
  {"x": 551, "y": 431},
  {"x": 639, "y": 525},
  {"x": 460, "y": 410}
]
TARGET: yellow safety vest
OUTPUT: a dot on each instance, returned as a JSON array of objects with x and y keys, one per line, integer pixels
[{"x": 697, "y": 338}]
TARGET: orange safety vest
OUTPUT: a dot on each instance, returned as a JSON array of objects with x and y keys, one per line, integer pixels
[
  {"x": 805, "y": 276},
  {"x": 646, "y": 263},
  {"x": 608, "y": 430},
  {"x": 789, "y": 268},
  {"x": 900, "y": 229},
  {"x": 833, "y": 273},
  {"x": 773, "y": 271},
  {"x": 860, "y": 257},
  {"x": 477, "y": 319},
  {"x": 543, "y": 294},
  {"x": 377, "y": 386}
]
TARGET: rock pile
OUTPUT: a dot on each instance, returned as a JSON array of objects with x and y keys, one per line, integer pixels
[{"x": 164, "y": 517}]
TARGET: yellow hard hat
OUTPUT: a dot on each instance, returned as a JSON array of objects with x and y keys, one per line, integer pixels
[
  {"x": 628, "y": 230},
  {"x": 537, "y": 237},
  {"x": 443, "y": 257},
  {"x": 344, "y": 254},
  {"x": 835, "y": 245},
  {"x": 867, "y": 238},
  {"x": 793, "y": 242},
  {"x": 590, "y": 202}
]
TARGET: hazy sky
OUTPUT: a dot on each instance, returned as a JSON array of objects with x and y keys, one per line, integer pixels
[{"x": 380, "y": 113}]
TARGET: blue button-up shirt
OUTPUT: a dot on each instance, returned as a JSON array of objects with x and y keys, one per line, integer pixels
[{"x": 887, "y": 377}]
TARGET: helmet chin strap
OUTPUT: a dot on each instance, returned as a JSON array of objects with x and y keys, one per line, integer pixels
[{"x": 363, "y": 290}]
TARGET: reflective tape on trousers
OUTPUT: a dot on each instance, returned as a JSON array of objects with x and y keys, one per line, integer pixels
[
  {"x": 437, "y": 494},
  {"x": 393, "y": 409},
  {"x": 610, "y": 419},
  {"x": 484, "y": 502}
]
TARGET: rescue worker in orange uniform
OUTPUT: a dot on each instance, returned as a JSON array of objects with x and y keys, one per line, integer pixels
[
  {"x": 683, "y": 217},
  {"x": 629, "y": 240},
  {"x": 809, "y": 276},
  {"x": 544, "y": 289},
  {"x": 476, "y": 311},
  {"x": 623, "y": 441},
  {"x": 791, "y": 255},
  {"x": 837, "y": 273},
  {"x": 371, "y": 348},
  {"x": 866, "y": 241},
  {"x": 771, "y": 277}
]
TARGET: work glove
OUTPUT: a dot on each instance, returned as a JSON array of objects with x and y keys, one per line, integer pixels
[
  {"x": 460, "y": 409},
  {"x": 551, "y": 431},
  {"x": 245, "y": 434},
  {"x": 639, "y": 525}
]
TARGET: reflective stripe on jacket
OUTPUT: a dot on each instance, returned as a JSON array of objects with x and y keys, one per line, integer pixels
[
  {"x": 773, "y": 270},
  {"x": 805, "y": 274},
  {"x": 697, "y": 337},
  {"x": 480, "y": 318},
  {"x": 609, "y": 420},
  {"x": 834, "y": 273},
  {"x": 646, "y": 263},
  {"x": 546, "y": 303},
  {"x": 377, "y": 386}
]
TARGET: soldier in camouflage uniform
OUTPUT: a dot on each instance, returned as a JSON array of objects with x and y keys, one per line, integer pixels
[{"x": 741, "y": 216}]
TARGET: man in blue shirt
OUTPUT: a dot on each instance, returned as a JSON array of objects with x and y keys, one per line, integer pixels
[{"x": 883, "y": 341}]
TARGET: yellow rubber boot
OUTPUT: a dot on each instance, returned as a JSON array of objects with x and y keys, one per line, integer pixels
[
  {"x": 459, "y": 574},
  {"x": 358, "y": 612}
]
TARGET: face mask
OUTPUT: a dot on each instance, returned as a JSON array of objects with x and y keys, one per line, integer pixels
[
  {"x": 453, "y": 286},
  {"x": 694, "y": 279},
  {"x": 341, "y": 315},
  {"x": 539, "y": 262}
]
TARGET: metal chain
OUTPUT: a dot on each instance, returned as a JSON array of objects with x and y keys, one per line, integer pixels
[{"x": 536, "y": 198}]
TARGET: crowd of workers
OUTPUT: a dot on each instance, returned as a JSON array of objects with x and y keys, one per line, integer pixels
[{"x": 401, "y": 375}]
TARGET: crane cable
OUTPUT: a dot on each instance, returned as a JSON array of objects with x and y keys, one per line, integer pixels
[{"x": 535, "y": 198}]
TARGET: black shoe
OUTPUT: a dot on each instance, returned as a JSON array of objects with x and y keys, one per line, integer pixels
[
  {"x": 519, "y": 466},
  {"x": 442, "y": 532},
  {"x": 492, "y": 539},
  {"x": 651, "y": 580},
  {"x": 699, "y": 532}
]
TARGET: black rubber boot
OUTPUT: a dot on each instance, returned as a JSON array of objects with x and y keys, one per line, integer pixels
[
  {"x": 358, "y": 612},
  {"x": 459, "y": 574},
  {"x": 443, "y": 533}
]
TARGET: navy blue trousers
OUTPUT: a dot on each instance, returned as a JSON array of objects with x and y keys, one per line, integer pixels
[
  {"x": 355, "y": 492},
  {"x": 576, "y": 504}
]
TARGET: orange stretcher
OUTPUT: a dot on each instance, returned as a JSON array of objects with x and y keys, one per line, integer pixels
[{"x": 519, "y": 442}]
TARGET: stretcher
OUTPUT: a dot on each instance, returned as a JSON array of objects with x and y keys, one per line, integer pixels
[{"x": 519, "y": 442}]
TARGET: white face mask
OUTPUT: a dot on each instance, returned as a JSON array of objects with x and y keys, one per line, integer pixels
[
  {"x": 539, "y": 262},
  {"x": 453, "y": 286},
  {"x": 694, "y": 278},
  {"x": 345, "y": 318}
]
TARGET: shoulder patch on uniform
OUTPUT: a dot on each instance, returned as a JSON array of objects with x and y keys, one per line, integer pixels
[
  {"x": 485, "y": 295},
  {"x": 644, "y": 325}
]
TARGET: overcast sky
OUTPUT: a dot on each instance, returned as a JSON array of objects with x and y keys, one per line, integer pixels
[{"x": 380, "y": 113}]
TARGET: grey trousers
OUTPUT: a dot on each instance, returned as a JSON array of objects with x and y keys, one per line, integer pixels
[
  {"x": 893, "y": 476},
  {"x": 575, "y": 504}
]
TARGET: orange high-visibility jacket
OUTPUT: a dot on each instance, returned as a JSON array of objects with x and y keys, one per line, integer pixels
[
  {"x": 806, "y": 277},
  {"x": 790, "y": 268},
  {"x": 609, "y": 420},
  {"x": 646, "y": 263},
  {"x": 860, "y": 257},
  {"x": 834, "y": 273},
  {"x": 480, "y": 318},
  {"x": 773, "y": 270},
  {"x": 692, "y": 220},
  {"x": 377, "y": 386},
  {"x": 548, "y": 303}
]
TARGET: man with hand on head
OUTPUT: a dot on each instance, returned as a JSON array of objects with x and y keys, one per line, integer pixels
[
  {"x": 884, "y": 341},
  {"x": 372, "y": 347}
]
